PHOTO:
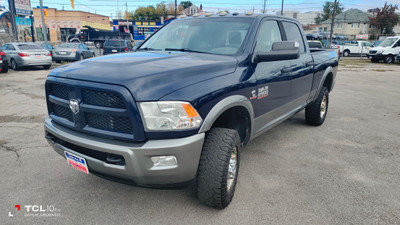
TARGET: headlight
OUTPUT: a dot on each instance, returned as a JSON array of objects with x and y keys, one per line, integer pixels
[{"x": 169, "y": 115}]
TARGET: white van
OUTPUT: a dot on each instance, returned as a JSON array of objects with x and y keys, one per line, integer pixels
[{"x": 386, "y": 50}]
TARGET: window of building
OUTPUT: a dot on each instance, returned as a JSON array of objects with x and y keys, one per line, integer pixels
[
  {"x": 355, "y": 25},
  {"x": 339, "y": 25}
]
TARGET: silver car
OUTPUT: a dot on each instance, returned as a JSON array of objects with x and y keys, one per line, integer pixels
[
  {"x": 72, "y": 52},
  {"x": 26, "y": 54}
]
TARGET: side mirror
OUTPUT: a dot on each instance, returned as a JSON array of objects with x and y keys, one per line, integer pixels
[{"x": 284, "y": 50}]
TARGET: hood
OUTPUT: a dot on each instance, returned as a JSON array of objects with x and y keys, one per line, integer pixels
[
  {"x": 379, "y": 48},
  {"x": 149, "y": 75}
]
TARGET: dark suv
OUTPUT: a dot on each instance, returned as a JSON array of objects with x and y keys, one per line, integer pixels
[{"x": 116, "y": 46}]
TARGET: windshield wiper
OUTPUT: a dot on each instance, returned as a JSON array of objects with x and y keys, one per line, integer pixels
[
  {"x": 149, "y": 49},
  {"x": 183, "y": 50}
]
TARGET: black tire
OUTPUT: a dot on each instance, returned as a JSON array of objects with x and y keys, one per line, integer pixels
[
  {"x": 4, "y": 69},
  {"x": 94, "y": 55},
  {"x": 81, "y": 58},
  {"x": 388, "y": 59},
  {"x": 14, "y": 64},
  {"x": 346, "y": 53},
  {"x": 316, "y": 112},
  {"x": 46, "y": 67},
  {"x": 220, "y": 148},
  {"x": 58, "y": 61}
]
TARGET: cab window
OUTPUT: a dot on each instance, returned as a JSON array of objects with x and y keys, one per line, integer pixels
[
  {"x": 293, "y": 34},
  {"x": 268, "y": 34}
]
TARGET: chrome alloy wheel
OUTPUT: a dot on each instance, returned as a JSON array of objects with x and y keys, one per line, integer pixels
[
  {"x": 232, "y": 170},
  {"x": 323, "y": 107}
]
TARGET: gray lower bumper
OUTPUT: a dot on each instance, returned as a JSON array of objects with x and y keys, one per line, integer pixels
[{"x": 138, "y": 166}]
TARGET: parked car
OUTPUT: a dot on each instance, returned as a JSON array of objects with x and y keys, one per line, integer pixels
[
  {"x": 72, "y": 52},
  {"x": 113, "y": 46},
  {"x": 3, "y": 62},
  {"x": 317, "y": 45},
  {"x": 46, "y": 46},
  {"x": 136, "y": 45},
  {"x": 312, "y": 36},
  {"x": 386, "y": 50},
  {"x": 357, "y": 47},
  {"x": 26, "y": 54},
  {"x": 182, "y": 107}
]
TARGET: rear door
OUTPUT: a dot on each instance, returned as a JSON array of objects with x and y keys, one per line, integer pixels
[
  {"x": 272, "y": 95},
  {"x": 302, "y": 68}
]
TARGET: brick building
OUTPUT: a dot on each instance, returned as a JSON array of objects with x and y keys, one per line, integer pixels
[{"x": 61, "y": 23}]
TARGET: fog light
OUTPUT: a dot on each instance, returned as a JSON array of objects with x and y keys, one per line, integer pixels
[{"x": 164, "y": 162}]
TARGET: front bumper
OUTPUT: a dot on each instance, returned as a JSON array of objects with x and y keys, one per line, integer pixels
[
  {"x": 138, "y": 167},
  {"x": 375, "y": 56}
]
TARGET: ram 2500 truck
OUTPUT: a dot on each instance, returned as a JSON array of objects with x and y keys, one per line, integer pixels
[{"x": 185, "y": 104}]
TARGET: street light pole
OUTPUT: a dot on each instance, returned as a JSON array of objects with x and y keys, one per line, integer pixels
[{"x": 44, "y": 29}]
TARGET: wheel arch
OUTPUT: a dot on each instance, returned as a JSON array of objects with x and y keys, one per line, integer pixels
[
  {"x": 328, "y": 78},
  {"x": 226, "y": 114}
]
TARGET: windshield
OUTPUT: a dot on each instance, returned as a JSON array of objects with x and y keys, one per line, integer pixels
[
  {"x": 388, "y": 42},
  {"x": 115, "y": 43},
  {"x": 208, "y": 35},
  {"x": 28, "y": 47},
  {"x": 68, "y": 45},
  {"x": 314, "y": 44}
]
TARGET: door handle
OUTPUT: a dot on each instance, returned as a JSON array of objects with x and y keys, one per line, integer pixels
[
  {"x": 286, "y": 70},
  {"x": 311, "y": 63}
]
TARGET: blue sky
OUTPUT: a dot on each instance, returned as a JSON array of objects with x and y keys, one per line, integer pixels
[{"x": 108, "y": 7}]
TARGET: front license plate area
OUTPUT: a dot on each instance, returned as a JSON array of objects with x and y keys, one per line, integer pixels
[
  {"x": 76, "y": 162},
  {"x": 114, "y": 50}
]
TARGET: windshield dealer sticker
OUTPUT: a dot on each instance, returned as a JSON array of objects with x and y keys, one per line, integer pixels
[{"x": 262, "y": 93}]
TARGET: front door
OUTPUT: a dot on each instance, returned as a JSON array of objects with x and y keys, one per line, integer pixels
[{"x": 273, "y": 91}]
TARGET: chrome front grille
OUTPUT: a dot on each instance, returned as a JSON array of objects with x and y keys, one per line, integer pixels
[{"x": 103, "y": 112}]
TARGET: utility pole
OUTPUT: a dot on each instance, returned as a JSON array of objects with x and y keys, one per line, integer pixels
[
  {"x": 264, "y": 7},
  {"x": 127, "y": 23},
  {"x": 11, "y": 5},
  {"x": 176, "y": 5},
  {"x": 44, "y": 29},
  {"x": 282, "y": 9},
  {"x": 333, "y": 22}
]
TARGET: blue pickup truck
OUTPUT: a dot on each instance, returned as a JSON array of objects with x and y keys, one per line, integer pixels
[{"x": 185, "y": 104}]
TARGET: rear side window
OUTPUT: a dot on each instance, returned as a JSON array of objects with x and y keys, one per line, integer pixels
[
  {"x": 293, "y": 34},
  {"x": 268, "y": 34},
  {"x": 4, "y": 47}
]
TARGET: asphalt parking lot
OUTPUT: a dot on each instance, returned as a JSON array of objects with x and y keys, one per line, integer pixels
[{"x": 344, "y": 172}]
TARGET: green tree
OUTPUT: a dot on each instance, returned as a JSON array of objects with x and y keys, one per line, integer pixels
[
  {"x": 186, "y": 4},
  {"x": 161, "y": 10},
  {"x": 318, "y": 19},
  {"x": 385, "y": 18},
  {"x": 145, "y": 13},
  {"x": 328, "y": 9}
]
